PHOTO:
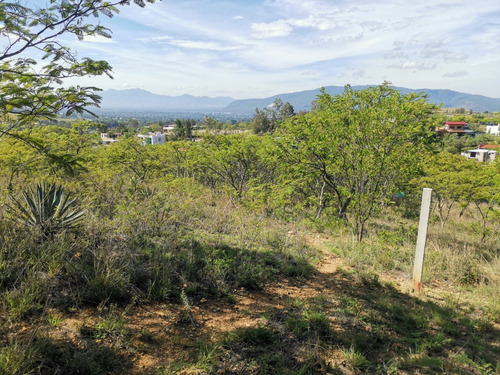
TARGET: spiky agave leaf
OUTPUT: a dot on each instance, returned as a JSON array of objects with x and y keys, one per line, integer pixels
[{"x": 47, "y": 209}]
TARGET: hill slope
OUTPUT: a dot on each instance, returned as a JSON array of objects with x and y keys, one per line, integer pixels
[
  {"x": 337, "y": 319},
  {"x": 137, "y": 99},
  {"x": 301, "y": 101},
  {"x": 142, "y": 100}
]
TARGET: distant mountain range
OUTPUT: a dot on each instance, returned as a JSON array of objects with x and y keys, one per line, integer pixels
[
  {"x": 301, "y": 101},
  {"x": 137, "y": 99},
  {"x": 141, "y": 100}
]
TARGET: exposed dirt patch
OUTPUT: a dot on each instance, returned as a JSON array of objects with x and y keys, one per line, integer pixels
[
  {"x": 356, "y": 308},
  {"x": 157, "y": 335}
]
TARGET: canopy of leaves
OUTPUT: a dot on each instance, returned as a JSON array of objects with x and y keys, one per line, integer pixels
[
  {"x": 268, "y": 119},
  {"x": 365, "y": 145},
  {"x": 184, "y": 128},
  {"x": 34, "y": 63}
]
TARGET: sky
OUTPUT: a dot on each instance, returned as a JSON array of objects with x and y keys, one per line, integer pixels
[{"x": 259, "y": 48}]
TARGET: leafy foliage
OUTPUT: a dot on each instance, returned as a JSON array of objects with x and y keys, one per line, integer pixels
[
  {"x": 193, "y": 221},
  {"x": 269, "y": 119},
  {"x": 184, "y": 128},
  {"x": 33, "y": 34},
  {"x": 363, "y": 145},
  {"x": 235, "y": 163},
  {"x": 451, "y": 178}
]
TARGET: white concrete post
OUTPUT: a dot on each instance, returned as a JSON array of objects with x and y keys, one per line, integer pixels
[{"x": 421, "y": 238}]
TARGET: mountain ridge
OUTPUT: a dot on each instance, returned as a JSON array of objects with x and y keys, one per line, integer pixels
[
  {"x": 301, "y": 101},
  {"x": 139, "y": 99}
]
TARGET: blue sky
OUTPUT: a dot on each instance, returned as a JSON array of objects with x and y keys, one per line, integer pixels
[{"x": 246, "y": 49}]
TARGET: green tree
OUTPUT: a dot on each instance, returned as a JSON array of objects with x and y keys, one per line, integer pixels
[
  {"x": 452, "y": 179},
  {"x": 260, "y": 122},
  {"x": 484, "y": 195},
  {"x": 286, "y": 111},
  {"x": 134, "y": 124},
  {"x": 155, "y": 128},
  {"x": 58, "y": 150},
  {"x": 236, "y": 163},
  {"x": 365, "y": 145},
  {"x": 34, "y": 62},
  {"x": 17, "y": 162},
  {"x": 184, "y": 128},
  {"x": 268, "y": 119},
  {"x": 211, "y": 124}
]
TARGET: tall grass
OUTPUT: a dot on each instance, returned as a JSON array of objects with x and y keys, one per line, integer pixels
[
  {"x": 153, "y": 248},
  {"x": 455, "y": 256}
]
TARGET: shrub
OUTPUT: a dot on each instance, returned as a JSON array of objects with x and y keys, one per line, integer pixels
[{"x": 47, "y": 209}]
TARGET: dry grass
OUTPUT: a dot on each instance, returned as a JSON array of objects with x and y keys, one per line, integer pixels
[{"x": 455, "y": 257}]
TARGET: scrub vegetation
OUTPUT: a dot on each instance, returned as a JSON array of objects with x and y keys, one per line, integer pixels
[
  {"x": 285, "y": 251},
  {"x": 92, "y": 236}
]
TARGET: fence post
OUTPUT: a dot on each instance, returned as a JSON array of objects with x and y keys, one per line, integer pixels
[{"x": 421, "y": 239}]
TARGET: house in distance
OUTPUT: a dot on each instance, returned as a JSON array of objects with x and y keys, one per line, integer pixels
[
  {"x": 156, "y": 138},
  {"x": 493, "y": 129},
  {"x": 483, "y": 153},
  {"x": 460, "y": 128}
]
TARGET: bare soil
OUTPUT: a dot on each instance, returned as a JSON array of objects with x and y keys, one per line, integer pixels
[{"x": 159, "y": 335}]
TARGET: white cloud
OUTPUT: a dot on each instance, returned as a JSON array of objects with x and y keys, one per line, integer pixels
[
  {"x": 414, "y": 65},
  {"x": 159, "y": 38},
  {"x": 197, "y": 44},
  {"x": 439, "y": 50},
  {"x": 289, "y": 45},
  {"x": 98, "y": 39},
  {"x": 192, "y": 44},
  {"x": 314, "y": 22},
  {"x": 461, "y": 73},
  {"x": 271, "y": 30}
]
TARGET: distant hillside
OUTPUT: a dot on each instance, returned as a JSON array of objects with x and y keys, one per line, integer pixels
[
  {"x": 301, "y": 101},
  {"x": 137, "y": 99},
  {"x": 142, "y": 100}
]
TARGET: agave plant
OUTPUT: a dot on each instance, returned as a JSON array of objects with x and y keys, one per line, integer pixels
[{"x": 47, "y": 209}]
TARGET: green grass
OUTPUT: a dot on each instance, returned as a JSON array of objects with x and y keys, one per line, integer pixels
[
  {"x": 355, "y": 360},
  {"x": 172, "y": 240},
  {"x": 16, "y": 359},
  {"x": 45, "y": 356},
  {"x": 382, "y": 332}
]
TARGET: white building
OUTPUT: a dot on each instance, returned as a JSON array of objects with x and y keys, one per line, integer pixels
[
  {"x": 493, "y": 129},
  {"x": 152, "y": 138},
  {"x": 480, "y": 154},
  {"x": 169, "y": 128},
  {"x": 106, "y": 139}
]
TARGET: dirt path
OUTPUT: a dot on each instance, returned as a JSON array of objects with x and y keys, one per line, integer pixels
[
  {"x": 211, "y": 319},
  {"x": 162, "y": 334},
  {"x": 171, "y": 338}
]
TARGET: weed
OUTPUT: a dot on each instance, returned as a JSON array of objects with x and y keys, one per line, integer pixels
[
  {"x": 355, "y": 359},
  {"x": 309, "y": 323},
  {"x": 204, "y": 356},
  {"x": 23, "y": 301},
  {"x": 146, "y": 336},
  {"x": 54, "y": 320},
  {"x": 112, "y": 327},
  {"x": 17, "y": 359},
  {"x": 259, "y": 335},
  {"x": 459, "y": 361},
  {"x": 422, "y": 362}
]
